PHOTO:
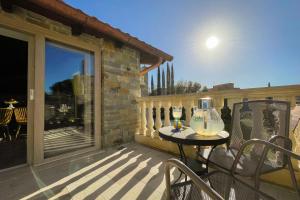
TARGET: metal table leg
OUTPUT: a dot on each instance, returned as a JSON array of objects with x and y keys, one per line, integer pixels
[{"x": 195, "y": 165}]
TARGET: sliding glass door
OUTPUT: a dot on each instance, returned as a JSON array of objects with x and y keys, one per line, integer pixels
[
  {"x": 69, "y": 99},
  {"x": 13, "y": 101}
]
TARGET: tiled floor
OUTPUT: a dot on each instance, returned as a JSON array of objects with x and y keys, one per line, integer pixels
[
  {"x": 64, "y": 140},
  {"x": 133, "y": 172}
]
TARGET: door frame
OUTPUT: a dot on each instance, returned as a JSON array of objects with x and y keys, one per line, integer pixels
[{"x": 37, "y": 59}]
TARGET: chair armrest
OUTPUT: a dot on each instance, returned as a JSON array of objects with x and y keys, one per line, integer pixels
[
  {"x": 241, "y": 150},
  {"x": 199, "y": 183},
  {"x": 269, "y": 144},
  {"x": 287, "y": 141},
  {"x": 267, "y": 147}
]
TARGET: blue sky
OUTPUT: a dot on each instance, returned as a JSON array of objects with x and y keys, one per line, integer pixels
[
  {"x": 62, "y": 62},
  {"x": 259, "y": 40},
  {"x": 55, "y": 59}
]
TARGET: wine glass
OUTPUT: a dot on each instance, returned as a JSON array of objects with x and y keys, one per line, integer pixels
[{"x": 177, "y": 113}]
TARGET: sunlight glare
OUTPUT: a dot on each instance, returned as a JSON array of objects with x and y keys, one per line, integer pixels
[{"x": 212, "y": 42}]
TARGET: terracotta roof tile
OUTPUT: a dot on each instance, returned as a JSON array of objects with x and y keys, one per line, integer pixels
[{"x": 59, "y": 10}]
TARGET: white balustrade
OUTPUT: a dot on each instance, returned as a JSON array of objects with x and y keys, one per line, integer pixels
[
  {"x": 150, "y": 122},
  {"x": 143, "y": 127},
  {"x": 167, "y": 106},
  {"x": 188, "y": 105},
  {"x": 158, "y": 123},
  {"x": 288, "y": 93}
]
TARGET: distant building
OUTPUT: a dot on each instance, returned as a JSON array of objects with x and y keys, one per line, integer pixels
[{"x": 225, "y": 86}]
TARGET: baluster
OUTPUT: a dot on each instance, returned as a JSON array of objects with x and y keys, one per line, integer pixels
[
  {"x": 188, "y": 105},
  {"x": 143, "y": 119},
  {"x": 158, "y": 123},
  {"x": 167, "y": 106},
  {"x": 150, "y": 121}
]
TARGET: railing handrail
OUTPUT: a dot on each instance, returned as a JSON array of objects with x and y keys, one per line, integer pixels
[{"x": 288, "y": 90}]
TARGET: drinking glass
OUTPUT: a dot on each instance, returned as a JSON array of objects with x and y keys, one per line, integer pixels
[{"x": 177, "y": 113}]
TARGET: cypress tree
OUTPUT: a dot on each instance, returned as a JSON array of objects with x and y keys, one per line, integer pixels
[
  {"x": 152, "y": 85},
  {"x": 172, "y": 81},
  {"x": 168, "y": 79},
  {"x": 158, "y": 82},
  {"x": 163, "y": 90}
]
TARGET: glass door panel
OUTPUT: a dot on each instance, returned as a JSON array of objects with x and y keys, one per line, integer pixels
[
  {"x": 69, "y": 99},
  {"x": 13, "y": 100}
]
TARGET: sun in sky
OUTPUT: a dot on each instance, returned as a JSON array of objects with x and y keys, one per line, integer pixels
[{"x": 212, "y": 42}]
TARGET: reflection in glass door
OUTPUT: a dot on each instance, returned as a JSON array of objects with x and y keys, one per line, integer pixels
[
  {"x": 13, "y": 101},
  {"x": 69, "y": 99}
]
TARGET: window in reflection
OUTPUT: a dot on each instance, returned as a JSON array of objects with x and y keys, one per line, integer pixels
[{"x": 69, "y": 99}]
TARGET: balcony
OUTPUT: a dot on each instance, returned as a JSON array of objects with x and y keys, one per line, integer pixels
[
  {"x": 74, "y": 124},
  {"x": 155, "y": 113},
  {"x": 132, "y": 171},
  {"x": 135, "y": 171}
]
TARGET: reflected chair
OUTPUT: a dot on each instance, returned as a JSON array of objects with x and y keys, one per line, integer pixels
[
  {"x": 5, "y": 118},
  {"x": 21, "y": 118}
]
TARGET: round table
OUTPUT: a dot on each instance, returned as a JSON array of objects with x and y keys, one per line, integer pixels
[{"x": 187, "y": 136}]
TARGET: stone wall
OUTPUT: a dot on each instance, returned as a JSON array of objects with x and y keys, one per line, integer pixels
[
  {"x": 49, "y": 24},
  {"x": 120, "y": 89},
  {"x": 144, "y": 84},
  {"x": 119, "y": 77}
]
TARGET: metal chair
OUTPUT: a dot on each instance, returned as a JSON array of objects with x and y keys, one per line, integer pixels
[
  {"x": 266, "y": 120},
  {"x": 21, "y": 118},
  {"x": 5, "y": 118},
  {"x": 272, "y": 154},
  {"x": 215, "y": 185}
]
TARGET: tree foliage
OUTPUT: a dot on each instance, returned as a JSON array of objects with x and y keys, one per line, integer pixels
[
  {"x": 172, "y": 81},
  {"x": 205, "y": 89},
  {"x": 62, "y": 87},
  {"x": 163, "y": 89},
  {"x": 168, "y": 79},
  {"x": 158, "y": 82},
  {"x": 152, "y": 85},
  {"x": 184, "y": 87}
]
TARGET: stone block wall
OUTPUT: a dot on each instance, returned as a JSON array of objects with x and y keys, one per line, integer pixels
[
  {"x": 144, "y": 84},
  {"x": 119, "y": 77},
  {"x": 120, "y": 90}
]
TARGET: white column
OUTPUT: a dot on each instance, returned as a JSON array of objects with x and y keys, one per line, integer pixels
[
  {"x": 143, "y": 127},
  {"x": 158, "y": 123},
  {"x": 188, "y": 105},
  {"x": 150, "y": 121},
  {"x": 167, "y": 106}
]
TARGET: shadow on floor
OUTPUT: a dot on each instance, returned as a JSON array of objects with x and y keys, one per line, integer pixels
[{"x": 135, "y": 172}]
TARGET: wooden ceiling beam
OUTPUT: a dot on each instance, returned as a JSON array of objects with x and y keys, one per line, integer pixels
[{"x": 7, "y": 6}]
